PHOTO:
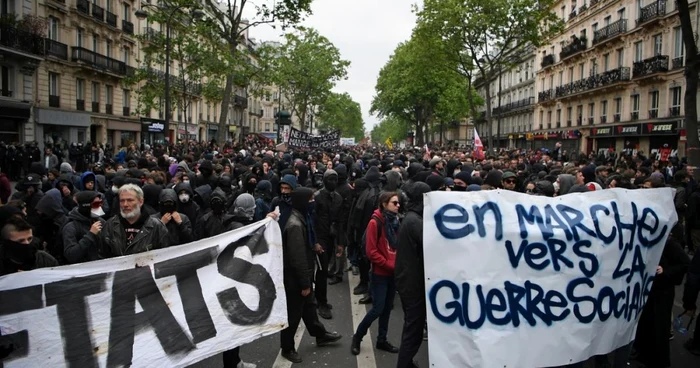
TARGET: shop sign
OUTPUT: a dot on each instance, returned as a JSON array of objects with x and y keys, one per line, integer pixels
[
  {"x": 570, "y": 134},
  {"x": 597, "y": 132},
  {"x": 156, "y": 127},
  {"x": 546, "y": 136},
  {"x": 628, "y": 129},
  {"x": 670, "y": 127}
]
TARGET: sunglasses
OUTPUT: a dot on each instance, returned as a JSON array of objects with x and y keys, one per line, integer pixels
[
  {"x": 395, "y": 203},
  {"x": 510, "y": 181},
  {"x": 96, "y": 205}
]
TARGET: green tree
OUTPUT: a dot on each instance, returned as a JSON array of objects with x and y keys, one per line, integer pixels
[
  {"x": 488, "y": 35},
  {"x": 692, "y": 73},
  {"x": 392, "y": 127},
  {"x": 225, "y": 29},
  {"x": 309, "y": 65},
  {"x": 339, "y": 111}
]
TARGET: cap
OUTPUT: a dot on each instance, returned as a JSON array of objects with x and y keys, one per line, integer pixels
[{"x": 507, "y": 175}]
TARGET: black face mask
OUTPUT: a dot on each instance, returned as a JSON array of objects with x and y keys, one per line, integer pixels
[
  {"x": 218, "y": 207},
  {"x": 331, "y": 183},
  {"x": 24, "y": 254},
  {"x": 458, "y": 188},
  {"x": 286, "y": 197},
  {"x": 250, "y": 186},
  {"x": 167, "y": 207}
]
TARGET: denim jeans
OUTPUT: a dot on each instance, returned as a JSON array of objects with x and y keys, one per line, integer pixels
[{"x": 383, "y": 291}]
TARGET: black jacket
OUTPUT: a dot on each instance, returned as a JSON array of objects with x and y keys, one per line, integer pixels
[
  {"x": 347, "y": 194},
  {"x": 153, "y": 235},
  {"x": 190, "y": 208},
  {"x": 408, "y": 272},
  {"x": 330, "y": 223},
  {"x": 693, "y": 210},
  {"x": 79, "y": 244},
  {"x": 211, "y": 224},
  {"x": 298, "y": 256},
  {"x": 177, "y": 234}
]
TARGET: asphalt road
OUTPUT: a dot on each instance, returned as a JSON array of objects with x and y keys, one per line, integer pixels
[{"x": 347, "y": 313}]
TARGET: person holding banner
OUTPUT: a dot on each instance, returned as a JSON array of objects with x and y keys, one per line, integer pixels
[
  {"x": 298, "y": 241},
  {"x": 18, "y": 250},
  {"x": 381, "y": 243}
]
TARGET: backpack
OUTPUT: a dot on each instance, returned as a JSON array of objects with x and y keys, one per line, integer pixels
[{"x": 364, "y": 235}]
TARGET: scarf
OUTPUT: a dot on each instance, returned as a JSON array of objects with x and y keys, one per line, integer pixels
[{"x": 391, "y": 226}]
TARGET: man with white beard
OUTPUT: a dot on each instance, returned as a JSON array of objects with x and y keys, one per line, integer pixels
[{"x": 132, "y": 231}]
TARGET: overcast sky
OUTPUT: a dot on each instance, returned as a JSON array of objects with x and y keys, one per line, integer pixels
[{"x": 366, "y": 32}]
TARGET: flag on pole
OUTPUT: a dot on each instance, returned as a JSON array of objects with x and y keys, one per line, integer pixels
[
  {"x": 389, "y": 144},
  {"x": 478, "y": 146}
]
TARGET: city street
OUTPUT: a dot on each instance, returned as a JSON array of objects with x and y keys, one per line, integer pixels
[{"x": 347, "y": 314}]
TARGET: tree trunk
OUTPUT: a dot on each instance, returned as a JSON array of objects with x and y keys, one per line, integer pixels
[
  {"x": 691, "y": 88},
  {"x": 226, "y": 101},
  {"x": 487, "y": 89}
]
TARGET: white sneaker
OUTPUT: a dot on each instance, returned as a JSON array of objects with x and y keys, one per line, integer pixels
[{"x": 243, "y": 364}]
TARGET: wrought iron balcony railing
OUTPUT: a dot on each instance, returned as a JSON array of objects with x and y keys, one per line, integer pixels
[
  {"x": 54, "y": 101},
  {"x": 591, "y": 120},
  {"x": 125, "y": 111},
  {"x": 128, "y": 27},
  {"x": 57, "y": 49},
  {"x": 5, "y": 93},
  {"x": 111, "y": 18},
  {"x": 603, "y": 119},
  {"x": 634, "y": 115},
  {"x": 599, "y": 80},
  {"x": 654, "y": 113},
  {"x": 240, "y": 101},
  {"x": 545, "y": 96},
  {"x": 547, "y": 60},
  {"x": 95, "y": 106},
  {"x": 674, "y": 111},
  {"x": 98, "y": 61},
  {"x": 574, "y": 47},
  {"x": 612, "y": 30},
  {"x": 616, "y": 118},
  {"x": 649, "y": 66},
  {"x": 83, "y": 6},
  {"x": 176, "y": 82},
  {"x": 652, "y": 11},
  {"x": 108, "y": 109},
  {"x": 677, "y": 63},
  {"x": 98, "y": 12},
  {"x": 80, "y": 105},
  {"x": 513, "y": 106},
  {"x": 21, "y": 40}
]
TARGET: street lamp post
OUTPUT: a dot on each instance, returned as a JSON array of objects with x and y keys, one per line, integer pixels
[{"x": 171, "y": 11}]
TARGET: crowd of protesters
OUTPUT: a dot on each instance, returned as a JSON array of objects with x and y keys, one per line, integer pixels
[{"x": 358, "y": 206}]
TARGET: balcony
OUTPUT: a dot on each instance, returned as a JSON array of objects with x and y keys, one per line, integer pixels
[
  {"x": 125, "y": 111},
  {"x": 603, "y": 119},
  {"x": 574, "y": 47},
  {"x": 240, "y": 101},
  {"x": 80, "y": 105},
  {"x": 98, "y": 13},
  {"x": 558, "y": 124},
  {"x": 108, "y": 108},
  {"x": 595, "y": 81},
  {"x": 83, "y": 6},
  {"x": 545, "y": 96},
  {"x": 650, "y": 66},
  {"x": 634, "y": 115},
  {"x": 513, "y": 106},
  {"x": 568, "y": 123},
  {"x": 572, "y": 15},
  {"x": 583, "y": 8},
  {"x": 677, "y": 63},
  {"x": 56, "y": 49},
  {"x": 594, "y": 2},
  {"x": 579, "y": 121},
  {"x": 95, "y": 106},
  {"x": 547, "y": 60},
  {"x": 609, "y": 32},
  {"x": 674, "y": 111},
  {"x": 111, "y": 19},
  {"x": 591, "y": 120},
  {"x": 176, "y": 82},
  {"x": 54, "y": 101},
  {"x": 5, "y": 93},
  {"x": 651, "y": 12},
  {"x": 21, "y": 40},
  {"x": 151, "y": 34},
  {"x": 128, "y": 27},
  {"x": 616, "y": 118},
  {"x": 98, "y": 61},
  {"x": 653, "y": 114}
]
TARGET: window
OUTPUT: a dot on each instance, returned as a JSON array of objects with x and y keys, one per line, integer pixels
[
  {"x": 542, "y": 84},
  {"x": 558, "y": 118},
  {"x": 267, "y": 127},
  {"x": 591, "y": 112},
  {"x": 676, "y": 96},
  {"x": 109, "y": 95},
  {"x": 126, "y": 99},
  {"x": 658, "y": 39},
  {"x": 594, "y": 28},
  {"x": 125, "y": 55},
  {"x": 79, "y": 37},
  {"x": 7, "y": 83},
  {"x": 638, "y": 49},
  {"x": 551, "y": 81},
  {"x": 541, "y": 118},
  {"x": 620, "y": 57},
  {"x": 95, "y": 92},
  {"x": 108, "y": 48},
  {"x": 561, "y": 78},
  {"x": 126, "y": 14},
  {"x": 634, "y": 115},
  {"x": 563, "y": 13},
  {"x": 579, "y": 115},
  {"x": 569, "y": 113},
  {"x": 678, "y": 47},
  {"x": 653, "y": 104},
  {"x": 80, "y": 89},
  {"x": 267, "y": 97},
  {"x": 594, "y": 67},
  {"x": 621, "y": 14},
  {"x": 618, "y": 109},
  {"x": 95, "y": 42},
  {"x": 581, "y": 69},
  {"x": 607, "y": 21},
  {"x": 54, "y": 87},
  {"x": 274, "y": 112},
  {"x": 53, "y": 28},
  {"x": 549, "y": 119},
  {"x": 603, "y": 111},
  {"x": 606, "y": 62},
  {"x": 640, "y": 4},
  {"x": 571, "y": 74}
]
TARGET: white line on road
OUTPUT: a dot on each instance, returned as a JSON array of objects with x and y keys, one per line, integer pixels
[
  {"x": 282, "y": 362},
  {"x": 366, "y": 358}
]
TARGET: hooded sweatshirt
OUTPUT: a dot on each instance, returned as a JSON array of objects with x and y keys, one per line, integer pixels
[
  {"x": 566, "y": 181},
  {"x": 181, "y": 233},
  {"x": 189, "y": 208},
  {"x": 409, "y": 273},
  {"x": 285, "y": 207}
]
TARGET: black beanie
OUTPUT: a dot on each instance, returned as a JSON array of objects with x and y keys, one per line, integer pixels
[{"x": 84, "y": 200}]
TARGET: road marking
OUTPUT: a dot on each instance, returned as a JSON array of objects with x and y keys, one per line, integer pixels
[
  {"x": 281, "y": 362},
  {"x": 366, "y": 358}
]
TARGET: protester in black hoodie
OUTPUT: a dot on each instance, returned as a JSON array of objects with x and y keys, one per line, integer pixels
[
  {"x": 216, "y": 221},
  {"x": 81, "y": 240},
  {"x": 410, "y": 275},
  {"x": 337, "y": 269},
  {"x": 178, "y": 224},
  {"x": 298, "y": 241},
  {"x": 18, "y": 250},
  {"x": 186, "y": 204}
]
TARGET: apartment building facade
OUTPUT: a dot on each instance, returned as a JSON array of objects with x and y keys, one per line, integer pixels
[
  {"x": 512, "y": 102},
  {"x": 613, "y": 80}
]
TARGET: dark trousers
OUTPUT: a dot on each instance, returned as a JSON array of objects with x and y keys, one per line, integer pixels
[
  {"x": 412, "y": 335},
  {"x": 651, "y": 341},
  {"x": 321, "y": 284},
  {"x": 383, "y": 292},
  {"x": 364, "y": 266},
  {"x": 232, "y": 357},
  {"x": 299, "y": 307}
]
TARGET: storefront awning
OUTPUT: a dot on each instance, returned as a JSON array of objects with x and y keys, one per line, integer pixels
[
  {"x": 14, "y": 109},
  {"x": 58, "y": 117}
]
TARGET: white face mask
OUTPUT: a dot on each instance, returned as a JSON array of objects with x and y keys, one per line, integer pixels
[
  {"x": 115, "y": 189},
  {"x": 456, "y": 172},
  {"x": 97, "y": 212},
  {"x": 184, "y": 198},
  {"x": 186, "y": 181}
]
